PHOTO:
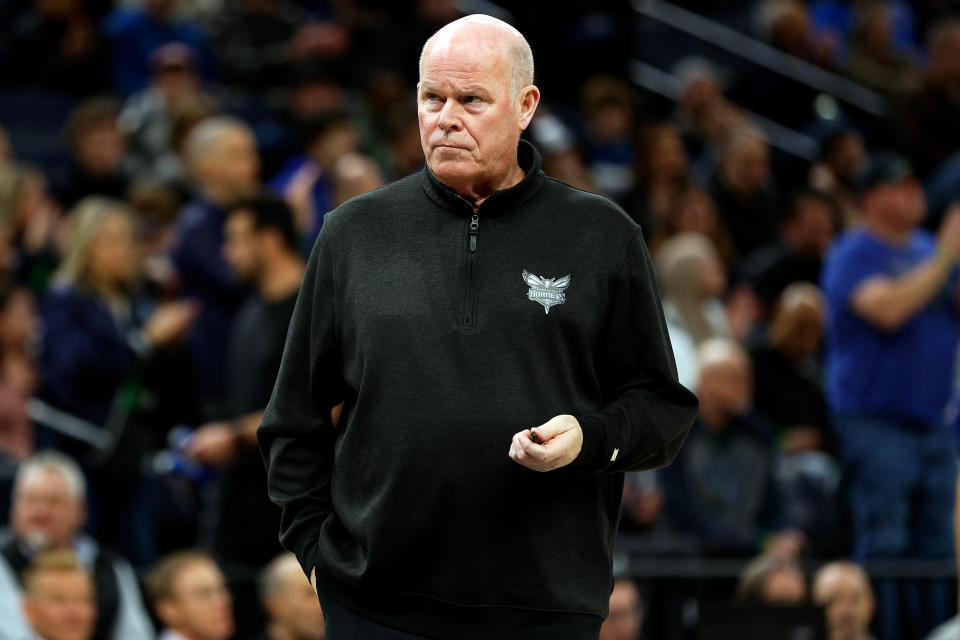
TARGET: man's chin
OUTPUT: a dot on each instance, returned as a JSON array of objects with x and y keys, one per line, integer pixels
[{"x": 453, "y": 170}]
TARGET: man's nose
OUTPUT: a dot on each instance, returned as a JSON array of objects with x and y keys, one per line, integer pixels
[{"x": 449, "y": 116}]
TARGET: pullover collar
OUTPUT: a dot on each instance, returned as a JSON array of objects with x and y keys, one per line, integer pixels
[{"x": 499, "y": 201}]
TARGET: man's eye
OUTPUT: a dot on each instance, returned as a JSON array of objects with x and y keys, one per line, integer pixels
[
  {"x": 432, "y": 97},
  {"x": 471, "y": 99}
]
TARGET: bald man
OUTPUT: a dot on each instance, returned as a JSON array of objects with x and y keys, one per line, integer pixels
[
  {"x": 290, "y": 602},
  {"x": 497, "y": 342}
]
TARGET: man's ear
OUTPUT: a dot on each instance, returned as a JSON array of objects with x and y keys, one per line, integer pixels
[{"x": 527, "y": 105}]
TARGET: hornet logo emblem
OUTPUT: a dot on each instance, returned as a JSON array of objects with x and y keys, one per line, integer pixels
[{"x": 546, "y": 291}]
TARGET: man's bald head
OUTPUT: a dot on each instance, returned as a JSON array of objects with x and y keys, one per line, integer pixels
[{"x": 480, "y": 32}]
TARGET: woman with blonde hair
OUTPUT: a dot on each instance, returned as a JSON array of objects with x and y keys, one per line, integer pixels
[
  {"x": 95, "y": 325},
  {"x": 692, "y": 279},
  {"x": 96, "y": 347}
]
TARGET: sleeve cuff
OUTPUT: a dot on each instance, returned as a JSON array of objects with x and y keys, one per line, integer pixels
[{"x": 592, "y": 452}]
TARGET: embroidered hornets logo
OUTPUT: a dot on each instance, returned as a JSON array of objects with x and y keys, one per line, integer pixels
[{"x": 546, "y": 291}]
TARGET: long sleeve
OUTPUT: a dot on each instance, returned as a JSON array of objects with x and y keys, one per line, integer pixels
[
  {"x": 647, "y": 412},
  {"x": 296, "y": 435}
]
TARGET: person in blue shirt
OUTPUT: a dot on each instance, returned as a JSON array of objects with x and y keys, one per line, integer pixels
[{"x": 892, "y": 330}]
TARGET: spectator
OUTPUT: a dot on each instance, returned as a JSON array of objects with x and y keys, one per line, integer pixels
[
  {"x": 788, "y": 388},
  {"x": 691, "y": 281},
  {"x": 703, "y": 115},
  {"x": 258, "y": 42},
  {"x": 874, "y": 59},
  {"x": 307, "y": 180},
  {"x": 19, "y": 326},
  {"x": 843, "y": 590},
  {"x": 32, "y": 219},
  {"x": 53, "y": 45},
  {"x": 98, "y": 147},
  {"x": 772, "y": 580},
  {"x": 59, "y": 597},
  {"x": 99, "y": 333},
  {"x": 190, "y": 597},
  {"x": 662, "y": 171},
  {"x": 927, "y": 134},
  {"x": 692, "y": 211},
  {"x": 148, "y": 116},
  {"x": 807, "y": 227},
  {"x": 354, "y": 174},
  {"x": 262, "y": 248},
  {"x": 135, "y": 32},
  {"x": 787, "y": 26},
  {"x": 49, "y": 509},
  {"x": 607, "y": 104},
  {"x": 625, "y": 620},
  {"x": 743, "y": 190},
  {"x": 290, "y": 601},
  {"x": 891, "y": 338},
  {"x": 7, "y": 154},
  {"x": 222, "y": 158},
  {"x": 721, "y": 487},
  {"x": 95, "y": 327},
  {"x": 837, "y": 172}
]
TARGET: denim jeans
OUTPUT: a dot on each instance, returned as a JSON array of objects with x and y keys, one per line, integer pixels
[{"x": 901, "y": 479}]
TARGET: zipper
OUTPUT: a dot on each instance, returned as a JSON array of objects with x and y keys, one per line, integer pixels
[{"x": 469, "y": 307}]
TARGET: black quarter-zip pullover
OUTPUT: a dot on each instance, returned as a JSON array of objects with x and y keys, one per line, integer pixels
[{"x": 444, "y": 330}]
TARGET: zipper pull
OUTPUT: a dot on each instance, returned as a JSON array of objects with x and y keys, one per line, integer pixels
[{"x": 474, "y": 230}]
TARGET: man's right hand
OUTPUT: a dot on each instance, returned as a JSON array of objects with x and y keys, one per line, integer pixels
[{"x": 948, "y": 237}]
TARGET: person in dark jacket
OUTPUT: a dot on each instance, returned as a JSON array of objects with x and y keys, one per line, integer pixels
[
  {"x": 97, "y": 332},
  {"x": 224, "y": 164},
  {"x": 497, "y": 341}
]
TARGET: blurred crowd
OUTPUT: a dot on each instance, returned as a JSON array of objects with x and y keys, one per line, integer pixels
[{"x": 149, "y": 264}]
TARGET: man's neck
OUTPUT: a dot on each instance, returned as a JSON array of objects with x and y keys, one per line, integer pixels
[
  {"x": 476, "y": 193},
  {"x": 280, "y": 277},
  {"x": 278, "y": 632}
]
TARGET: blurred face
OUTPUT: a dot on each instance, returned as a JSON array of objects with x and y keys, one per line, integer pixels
[
  {"x": 727, "y": 386},
  {"x": 232, "y": 164},
  {"x": 785, "y": 588},
  {"x": 611, "y": 122},
  {"x": 695, "y": 212},
  {"x": 812, "y": 231},
  {"x": 625, "y": 618},
  {"x": 241, "y": 245},
  {"x": 901, "y": 205},
  {"x": 469, "y": 123},
  {"x": 113, "y": 253},
  {"x": 667, "y": 157},
  {"x": 44, "y": 513},
  {"x": 713, "y": 280},
  {"x": 747, "y": 167},
  {"x": 849, "y": 605},
  {"x": 18, "y": 320},
  {"x": 297, "y": 609},
  {"x": 62, "y": 605},
  {"x": 200, "y": 607},
  {"x": 849, "y": 158},
  {"x": 100, "y": 149}
]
